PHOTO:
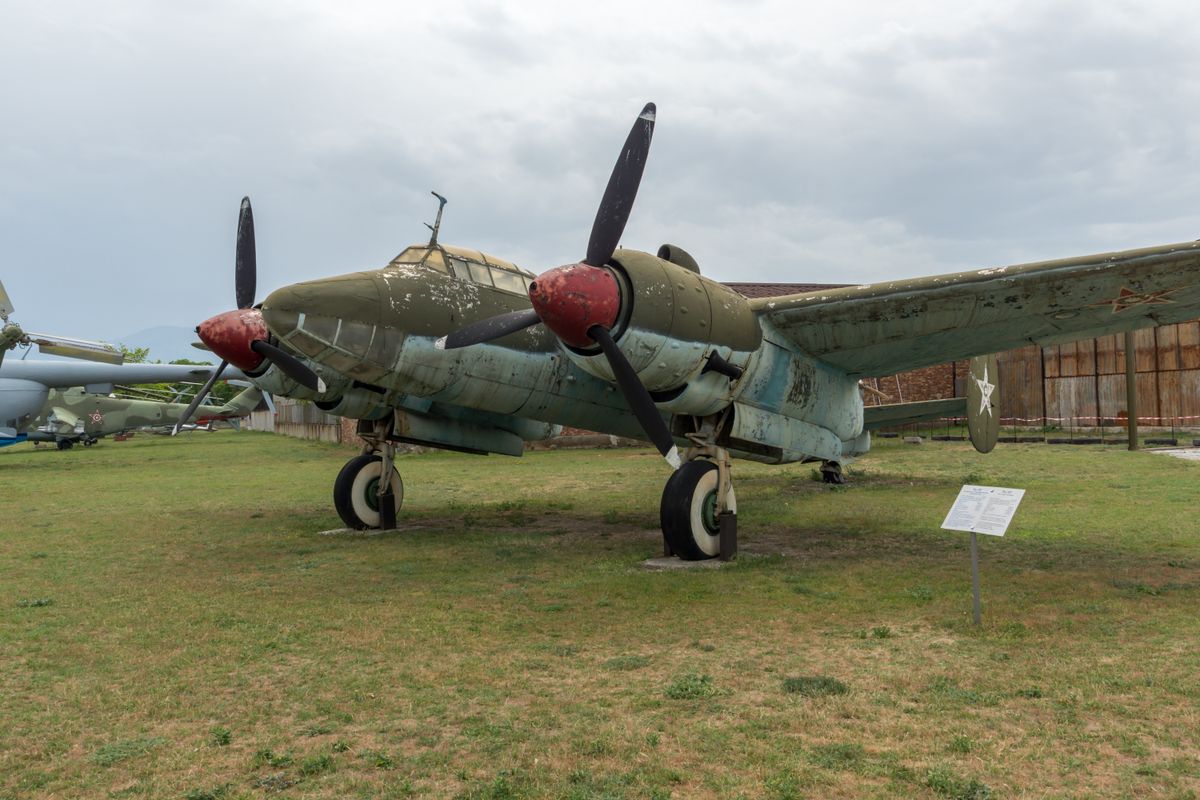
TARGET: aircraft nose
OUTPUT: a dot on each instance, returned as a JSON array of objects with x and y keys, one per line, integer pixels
[{"x": 333, "y": 313}]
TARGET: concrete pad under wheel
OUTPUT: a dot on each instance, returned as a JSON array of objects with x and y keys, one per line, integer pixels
[
  {"x": 674, "y": 562},
  {"x": 403, "y": 527}
]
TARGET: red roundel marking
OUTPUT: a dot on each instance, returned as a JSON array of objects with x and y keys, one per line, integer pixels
[
  {"x": 229, "y": 336},
  {"x": 571, "y": 299}
]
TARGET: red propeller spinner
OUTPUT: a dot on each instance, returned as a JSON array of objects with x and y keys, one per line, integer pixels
[
  {"x": 230, "y": 335},
  {"x": 571, "y": 300}
]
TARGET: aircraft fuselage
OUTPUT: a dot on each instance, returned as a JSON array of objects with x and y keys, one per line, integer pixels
[{"x": 380, "y": 329}]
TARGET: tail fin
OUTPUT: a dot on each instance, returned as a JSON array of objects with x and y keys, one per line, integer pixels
[{"x": 239, "y": 406}]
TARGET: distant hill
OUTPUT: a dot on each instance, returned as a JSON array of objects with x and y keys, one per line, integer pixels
[{"x": 167, "y": 343}]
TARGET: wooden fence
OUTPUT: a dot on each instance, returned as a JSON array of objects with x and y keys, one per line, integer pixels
[
  {"x": 1083, "y": 383},
  {"x": 1080, "y": 384}
]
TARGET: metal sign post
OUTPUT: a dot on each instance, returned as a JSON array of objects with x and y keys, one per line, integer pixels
[
  {"x": 982, "y": 509},
  {"x": 975, "y": 577}
]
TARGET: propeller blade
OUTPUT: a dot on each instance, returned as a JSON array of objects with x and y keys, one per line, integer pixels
[
  {"x": 246, "y": 270},
  {"x": 637, "y": 396},
  {"x": 485, "y": 330},
  {"x": 622, "y": 188},
  {"x": 289, "y": 364},
  {"x": 199, "y": 398}
]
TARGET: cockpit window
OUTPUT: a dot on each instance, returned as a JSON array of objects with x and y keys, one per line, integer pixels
[
  {"x": 413, "y": 255},
  {"x": 509, "y": 281},
  {"x": 480, "y": 274},
  {"x": 421, "y": 255}
]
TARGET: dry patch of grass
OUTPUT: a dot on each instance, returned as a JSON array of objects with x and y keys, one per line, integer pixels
[{"x": 174, "y": 626}]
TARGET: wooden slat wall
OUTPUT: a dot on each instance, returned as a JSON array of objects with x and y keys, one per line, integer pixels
[
  {"x": 1189, "y": 344},
  {"x": 1081, "y": 380},
  {"x": 1020, "y": 384},
  {"x": 1072, "y": 401},
  {"x": 305, "y": 421}
]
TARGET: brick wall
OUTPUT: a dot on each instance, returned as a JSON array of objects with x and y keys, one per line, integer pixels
[{"x": 931, "y": 383}]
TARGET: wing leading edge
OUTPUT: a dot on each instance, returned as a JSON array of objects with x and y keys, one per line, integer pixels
[{"x": 885, "y": 328}]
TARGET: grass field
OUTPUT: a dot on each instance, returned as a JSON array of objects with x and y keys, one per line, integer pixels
[{"x": 173, "y": 625}]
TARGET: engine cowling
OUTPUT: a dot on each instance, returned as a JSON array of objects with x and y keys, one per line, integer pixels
[
  {"x": 671, "y": 322},
  {"x": 356, "y": 403}
]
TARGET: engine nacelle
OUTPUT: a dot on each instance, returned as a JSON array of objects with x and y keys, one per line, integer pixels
[
  {"x": 273, "y": 380},
  {"x": 356, "y": 403},
  {"x": 672, "y": 321}
]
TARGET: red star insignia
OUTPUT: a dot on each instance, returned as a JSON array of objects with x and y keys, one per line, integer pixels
[
  {"x": 1128, "y": 297},
  {"x": 97, "y": 416}
]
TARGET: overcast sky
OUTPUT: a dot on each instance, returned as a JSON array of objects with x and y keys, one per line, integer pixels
[{"x": 847, "y": 142}]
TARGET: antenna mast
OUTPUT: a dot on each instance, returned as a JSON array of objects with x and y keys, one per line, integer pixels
[{"x": 437, "y": 223}]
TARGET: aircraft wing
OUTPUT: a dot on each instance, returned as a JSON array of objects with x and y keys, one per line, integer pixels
[{"x": 885, "y": 328}]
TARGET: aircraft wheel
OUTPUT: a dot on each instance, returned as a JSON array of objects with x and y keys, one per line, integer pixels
[
  {"x": 689, "y": 511},
  {"x": 832, "y": 472},
  {"x": 356, "y": 492},
  {"x": 88, "y": 442},
  {"x": 65, "y": 444}
]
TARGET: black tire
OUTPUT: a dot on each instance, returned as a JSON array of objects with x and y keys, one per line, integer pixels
[
  {"x": 354, "y": 492},
  {"x": 831, "y": 472},
  {"x": 65, "y": 444},
  {"x": 687, "y": 511}
]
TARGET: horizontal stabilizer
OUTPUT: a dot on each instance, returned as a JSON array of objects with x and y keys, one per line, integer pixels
[{"x": 875, "y": 417}]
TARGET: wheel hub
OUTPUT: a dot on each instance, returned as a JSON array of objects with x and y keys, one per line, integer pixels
[
  {"x": 371, "y": 494},
  {"x": 708, "y": 514}
]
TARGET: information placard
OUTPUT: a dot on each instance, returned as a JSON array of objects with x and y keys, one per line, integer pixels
[{"x": 983, "y": 509}]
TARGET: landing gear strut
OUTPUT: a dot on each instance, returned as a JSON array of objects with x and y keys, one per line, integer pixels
[
  {"x": 363, "y": 497},
  {"x": 699, "y": 509}
]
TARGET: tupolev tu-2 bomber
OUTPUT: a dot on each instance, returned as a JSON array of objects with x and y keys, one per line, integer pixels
[{"x": 451, "y": 348}]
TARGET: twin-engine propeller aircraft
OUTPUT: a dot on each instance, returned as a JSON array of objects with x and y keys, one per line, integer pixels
[{"x": 453, "y": 348}]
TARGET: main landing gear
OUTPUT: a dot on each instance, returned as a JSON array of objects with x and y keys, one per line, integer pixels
[
  {"x": 699, "y": 508},
  {"x": 362, "y": 496}
]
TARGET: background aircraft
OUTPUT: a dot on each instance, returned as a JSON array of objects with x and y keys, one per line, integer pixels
[
  {"x": 75, "y": 415},
  {"x": 455, "y": 348},
  {"x": 25, "y": 386},
  {"x": 11, "y": 336}
]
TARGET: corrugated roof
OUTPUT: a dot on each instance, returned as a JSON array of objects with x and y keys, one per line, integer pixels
[{"x": 779, "y": 289}]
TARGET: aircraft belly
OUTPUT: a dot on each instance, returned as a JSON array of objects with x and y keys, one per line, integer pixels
[{"x": 540, "y": 386}]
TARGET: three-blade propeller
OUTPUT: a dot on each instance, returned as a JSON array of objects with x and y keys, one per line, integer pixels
[
  {"x": 580, "y": 302},
  {"x": 245, "y": 280}
]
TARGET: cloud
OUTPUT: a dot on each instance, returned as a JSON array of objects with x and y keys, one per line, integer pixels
[{"x": 872, "y": 141}]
